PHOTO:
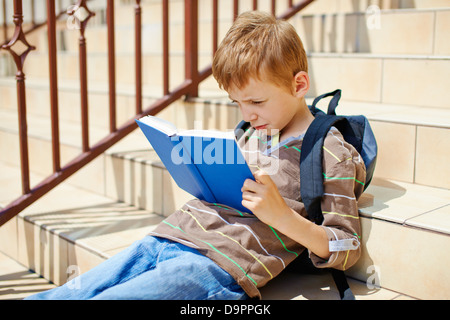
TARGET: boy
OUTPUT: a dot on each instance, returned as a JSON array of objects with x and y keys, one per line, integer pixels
[{"x": 210, "y": 251}]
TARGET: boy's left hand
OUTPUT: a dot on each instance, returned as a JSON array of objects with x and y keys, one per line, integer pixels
[{"x": 263, "y": 199}]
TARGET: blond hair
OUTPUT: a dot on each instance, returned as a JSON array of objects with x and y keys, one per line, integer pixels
[{"x": 258, "y": 45}]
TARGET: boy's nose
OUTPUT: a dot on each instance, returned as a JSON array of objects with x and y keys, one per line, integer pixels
[{"x": 249, "y": 116}]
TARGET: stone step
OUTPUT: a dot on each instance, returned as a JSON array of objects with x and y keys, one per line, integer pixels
[
  {"x": 404, "y": 230},
  {"x": 387, "y": 79},
  {"x": 350, "y": 6},
  {"x": 17, "y": 281},
  {"x": 403, "y": 32},
  {"x": 390, "y": 79},
  {"x": 72, "y": 227}
]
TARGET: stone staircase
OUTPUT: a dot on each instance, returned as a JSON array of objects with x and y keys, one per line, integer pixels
[{"x": 392, "y": 67}]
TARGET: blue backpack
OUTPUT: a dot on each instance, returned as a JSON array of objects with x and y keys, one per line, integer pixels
[{"x": 356, "y": 130}]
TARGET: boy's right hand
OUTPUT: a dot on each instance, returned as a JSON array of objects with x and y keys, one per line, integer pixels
[{"x": 263, "y": 199}]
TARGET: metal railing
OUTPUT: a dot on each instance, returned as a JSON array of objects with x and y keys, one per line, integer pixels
[{"x": 189, "y": 87}]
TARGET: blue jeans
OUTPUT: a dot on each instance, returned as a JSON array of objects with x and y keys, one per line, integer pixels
[{"x": 151, "y": 269}]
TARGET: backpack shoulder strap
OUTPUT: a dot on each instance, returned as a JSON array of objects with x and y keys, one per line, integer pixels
[
  {"x": 240, "y": 129},
  {"x": 340, "y": 279},
  {"x": 336, "y": 96},
  {"x": 311, "y": 164},
  {"x": 311, "y": 192}
]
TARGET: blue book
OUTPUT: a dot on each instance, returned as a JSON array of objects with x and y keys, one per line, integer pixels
[{"x": 208, "y": 164}]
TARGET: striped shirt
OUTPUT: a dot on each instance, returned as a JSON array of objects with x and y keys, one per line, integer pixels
[{"x": 253, "y": 252}]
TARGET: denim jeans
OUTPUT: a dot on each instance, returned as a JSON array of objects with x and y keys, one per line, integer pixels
[{"x": 152, "y": 268}]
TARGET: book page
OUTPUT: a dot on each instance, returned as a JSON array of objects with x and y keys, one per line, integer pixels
[
  {"x": 160, "y": 124},
  {"x": 208, "y": 134}
]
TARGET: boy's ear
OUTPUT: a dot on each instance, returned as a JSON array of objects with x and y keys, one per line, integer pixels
[{"x": 301, "y": 84}]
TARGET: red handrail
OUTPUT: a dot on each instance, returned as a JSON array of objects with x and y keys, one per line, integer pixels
[{"x": 188, "y": 88}]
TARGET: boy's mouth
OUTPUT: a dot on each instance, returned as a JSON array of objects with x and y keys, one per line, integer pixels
[{"x": 261, "y": 127}]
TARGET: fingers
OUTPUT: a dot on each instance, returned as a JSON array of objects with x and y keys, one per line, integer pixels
[
  {"x": 262, "y": 177},
  {"x": 251, "y": 193},
  {"x": 258, "y": 191},
  {"x": 249, "y": 196},
  {"x": 251, "y": 200},
  {"x": 262, "y": 181}
]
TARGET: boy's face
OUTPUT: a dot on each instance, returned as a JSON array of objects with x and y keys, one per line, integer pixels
[{"x": 265, "y": 105}]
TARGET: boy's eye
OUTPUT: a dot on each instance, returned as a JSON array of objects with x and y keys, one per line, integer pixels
[{"x": 254, "y": 102}]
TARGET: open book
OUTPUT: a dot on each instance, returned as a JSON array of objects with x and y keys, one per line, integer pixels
[{"x": 207, "y": 164}]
